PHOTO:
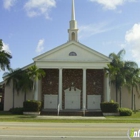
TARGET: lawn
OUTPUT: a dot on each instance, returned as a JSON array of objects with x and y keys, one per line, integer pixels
[
  {"x": 7, "y": 117},
  {"x": 134, "y": 116}
]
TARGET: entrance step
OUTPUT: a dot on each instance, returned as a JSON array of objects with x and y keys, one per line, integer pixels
[{"x": 71, "y": 113}]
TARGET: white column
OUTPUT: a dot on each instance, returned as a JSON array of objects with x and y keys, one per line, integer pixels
[
  {"x": 60, "y": 89},
  {"x": 36, "y": 90},
  {"x": 84, "y": 89}
]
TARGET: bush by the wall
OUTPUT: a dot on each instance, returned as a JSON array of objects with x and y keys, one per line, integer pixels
[
  {"x": 109, "y": 107},
  {"x": 1, "y": 106},
  {"x": 31, "y": 106},
  {"x": 125, "y": 112},
  {"x": 17, "y": 110}
]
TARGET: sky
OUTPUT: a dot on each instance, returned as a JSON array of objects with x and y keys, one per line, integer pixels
[{"x": 29, "y": 28}]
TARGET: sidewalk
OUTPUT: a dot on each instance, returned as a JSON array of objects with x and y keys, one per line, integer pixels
[{"x": 70, "y": 117}]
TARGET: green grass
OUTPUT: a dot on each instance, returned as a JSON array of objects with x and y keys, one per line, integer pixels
[
  {"x": 8, "y": 117},
  {"x": 134, "y": 116}
]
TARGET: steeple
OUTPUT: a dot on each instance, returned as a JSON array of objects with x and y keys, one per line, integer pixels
[
  {"x": 73, "y": 31},
  {"x": 73, "y": 11}
]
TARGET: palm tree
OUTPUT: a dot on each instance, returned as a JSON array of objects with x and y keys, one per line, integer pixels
[
  {"x": 4, "y": 58},
  {"x": 13, "y": 76},
  {"x": 30, "y": 76},
  {"x": 35, "y": 74},
  {"x": 114, "y": 69},
  {"x": 121, "y": 81},
  {"x": 119, "y": 71},
  {"x": 25, "y": 84},
  {"x": 133, "y": 80}
]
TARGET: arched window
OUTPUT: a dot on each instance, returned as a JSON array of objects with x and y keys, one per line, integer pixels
[
  {"x": 73, "y": 36},
  {"x": 72, "y": 54}
]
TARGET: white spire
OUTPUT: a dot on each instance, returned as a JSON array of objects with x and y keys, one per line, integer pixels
[
  {"x": 73, "y": 11},
  {"x": 73, "y": 30}
]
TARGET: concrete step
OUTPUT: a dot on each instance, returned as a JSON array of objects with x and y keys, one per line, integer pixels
[{"x": 72, "y": 113}]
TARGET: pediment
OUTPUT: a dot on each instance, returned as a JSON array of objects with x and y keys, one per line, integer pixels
[{"x": 73, "y": 51}]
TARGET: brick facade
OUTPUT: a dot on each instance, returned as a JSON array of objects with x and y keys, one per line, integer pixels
[
  {"x": 50, "y": 82},
  {"x": 69, "y": 76},
  {"x": 95, "y": 80}
]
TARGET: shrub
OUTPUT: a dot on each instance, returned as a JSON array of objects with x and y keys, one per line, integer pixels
[
  {"x": 1, "y": 106},
  {"x": 17, "y": 110},
  {"x": 125, "y": 112},
  {"x": 109, "y": 107},
  {"x": 31, "y": 106}
]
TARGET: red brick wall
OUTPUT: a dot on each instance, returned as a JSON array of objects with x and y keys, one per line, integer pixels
[
  {"x": 69, "y": 76},
  {"x": 95, "y": 82},
  {"x": 75, "y": 76},
  {"x": 52, "y": 75}
]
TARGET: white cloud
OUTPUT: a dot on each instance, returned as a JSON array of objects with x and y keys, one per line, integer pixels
[
  {"x": 39, "y": 7},
  {"x": 40, "y": 46},
  {"x": 6, "y": 47},
  {"x": 92, "y": 29},
  {"x": 8, "y": 3},
  {"x": 132, "y": 38},
  {"x": 111, "y": 4}
]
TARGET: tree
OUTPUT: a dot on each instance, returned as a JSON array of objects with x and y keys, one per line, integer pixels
[
  {"x": 119, "y": 72},
  {"x": 25, "y": 83},
  {"x": 13, "y": 76},
  {"x": 30, "y": 76},
  {"x": 35, "y": 74},
  {"x": 114, "y": 69},
  {"x": 4, "y": 58},
  {"x": 133, "y": 80}
]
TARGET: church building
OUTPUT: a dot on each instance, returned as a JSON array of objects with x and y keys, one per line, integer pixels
[{"x": 75, "y": 79}]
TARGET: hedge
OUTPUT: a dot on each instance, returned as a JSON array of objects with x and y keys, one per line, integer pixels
[
  {"x": 1, "y": 106},
  {"x": 31, "y": 106},
  {"x": 125, "y": 112},
  {"x": 109, "y": 107},
  {"x": 17, "y": 110}
]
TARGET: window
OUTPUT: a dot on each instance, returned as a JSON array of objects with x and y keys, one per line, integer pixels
[
  {"x": 72, "y": 54},
  {"x": 73, "y": 36}
]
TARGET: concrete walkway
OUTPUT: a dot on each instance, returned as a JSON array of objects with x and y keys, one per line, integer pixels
[{"x": 70, "y": 117}]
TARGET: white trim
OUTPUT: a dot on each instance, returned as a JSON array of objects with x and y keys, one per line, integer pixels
[
  {"x": 70, "y": 61},
  {"x": 75, "y": 43},
  {"x": 27, "y": 66},
  {"x": 36, "y": 91},
  {"x": 84, "y": 90},
  {"x": 60, "y": 89},
  {"x": 45, "y": 67},
  {"x": 23, "y": 68}
]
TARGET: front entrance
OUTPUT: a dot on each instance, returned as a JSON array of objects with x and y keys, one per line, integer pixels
[{"x": 72, "y": 98}]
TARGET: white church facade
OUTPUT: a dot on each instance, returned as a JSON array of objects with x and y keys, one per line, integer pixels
[{"x": 75, "y": 78}]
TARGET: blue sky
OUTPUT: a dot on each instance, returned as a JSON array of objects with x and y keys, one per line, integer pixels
[{"x": 31, "y": 27}]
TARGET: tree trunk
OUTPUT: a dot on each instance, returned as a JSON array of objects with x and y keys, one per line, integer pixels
[
  {"x": 116, "y": 90},
  {"x": 132, "y": 99},
  {"x": 120, "y": 97},
  {"x": 134, "y": 104},
  {"x": 13, "y": 97},
  {"x": 25, "y": 96}
]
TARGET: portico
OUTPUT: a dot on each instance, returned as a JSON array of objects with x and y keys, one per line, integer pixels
[{"x": 73, "y": 89}]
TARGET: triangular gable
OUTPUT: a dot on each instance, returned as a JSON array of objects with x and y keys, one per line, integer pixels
[{"x": 84, "y": 53}]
